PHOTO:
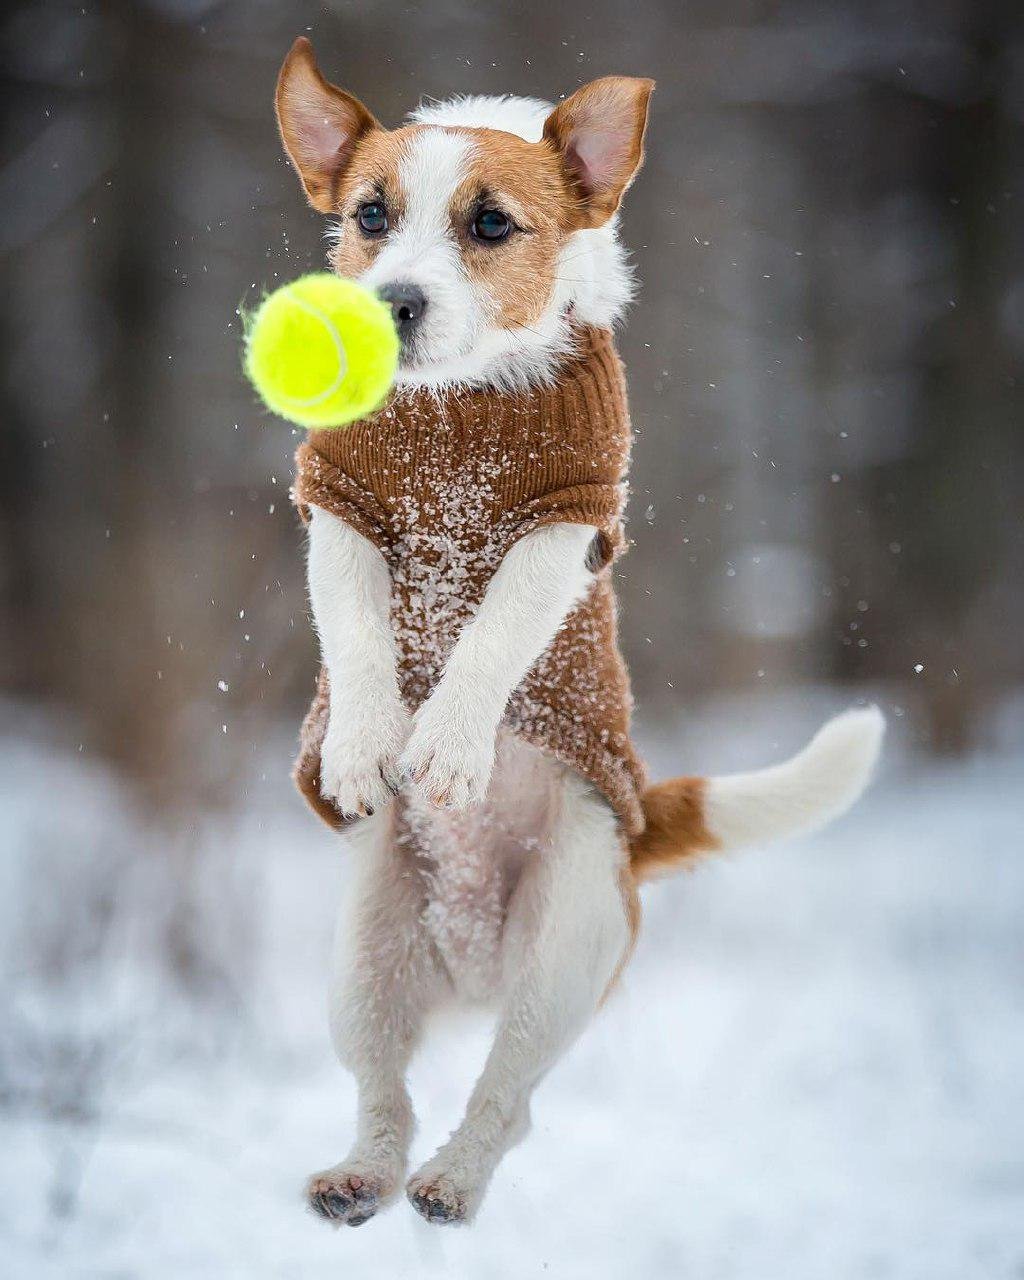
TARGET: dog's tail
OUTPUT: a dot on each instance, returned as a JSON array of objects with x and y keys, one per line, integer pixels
[{"x": 688, "y": 817}]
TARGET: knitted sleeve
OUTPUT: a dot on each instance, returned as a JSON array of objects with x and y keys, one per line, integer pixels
[
  {"x": 599, "y": 505},
  {"x": 319, "y": 483}
]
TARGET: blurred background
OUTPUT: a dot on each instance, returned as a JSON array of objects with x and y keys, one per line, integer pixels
[{"x": 815, "y": 1066}]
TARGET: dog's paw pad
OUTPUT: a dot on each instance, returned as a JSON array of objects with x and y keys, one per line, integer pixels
[
  {"x": 437, "y": 1201},
  {"x": 344, "y": 1198}
]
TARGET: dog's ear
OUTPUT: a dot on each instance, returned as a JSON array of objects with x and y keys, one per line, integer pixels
[
  {"x": 599, "y": 135},
  {"x": 320, "y": 124}
]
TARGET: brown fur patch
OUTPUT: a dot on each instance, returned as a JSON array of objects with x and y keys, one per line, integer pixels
[
  {"x": 629, "y": 889},
  {"x": 676, "y": 830},
  {"x": 676, "y": 833},
  {"x": 372, "y": 174},
  {"x": 526, "y": 181}
]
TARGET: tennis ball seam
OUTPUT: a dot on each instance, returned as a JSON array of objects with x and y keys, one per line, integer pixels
[{"x": 312, "y": 401}]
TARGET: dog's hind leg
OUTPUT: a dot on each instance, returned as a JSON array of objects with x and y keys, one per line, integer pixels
[
  {"x": 386, "y": 976},
  {"x": 568, "y": 930}
]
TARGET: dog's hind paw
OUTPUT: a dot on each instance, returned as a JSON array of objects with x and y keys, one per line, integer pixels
[
  {"x": 344, "y": 1197},
  {"x": 437, "y": 1199}
]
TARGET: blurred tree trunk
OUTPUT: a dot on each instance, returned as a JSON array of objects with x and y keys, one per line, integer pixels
[
  {"x": 920, "y": 538},
  {"x": 953, "y": 516},
  {"x": 126, "y": 701}
]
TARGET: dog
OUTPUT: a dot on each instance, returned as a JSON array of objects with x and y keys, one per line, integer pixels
[{"x": 488, "y": 224}]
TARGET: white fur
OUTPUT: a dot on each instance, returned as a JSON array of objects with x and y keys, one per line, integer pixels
[
  {"x": 522, "y": 116},
  {"x": 460, "y": 342},
  {"x": 385, "y": 977},
  {"x": 559, "y": 936},
  {"x": 803, "y": 793},
  {"x": 565, "y": 933},
  {"x": 350, "y": 592}
]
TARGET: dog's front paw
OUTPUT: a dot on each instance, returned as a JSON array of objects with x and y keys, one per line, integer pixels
[
  {"x": 348, "y": 1196},
  {"x": 438, "y": 1197},
  {"x": 449, "y": 759},
  {"x": 359, "y": 769}
]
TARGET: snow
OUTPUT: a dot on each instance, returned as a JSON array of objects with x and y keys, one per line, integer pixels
[{"x": 814, "y": 1067}]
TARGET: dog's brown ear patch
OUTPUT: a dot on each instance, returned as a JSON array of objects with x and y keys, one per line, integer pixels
[
  {"x": 320, "y": 124},
  {"x": 599, "y": 135}
]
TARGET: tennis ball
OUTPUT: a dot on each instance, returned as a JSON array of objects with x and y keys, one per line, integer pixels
[{"x": 321, "y": 351}]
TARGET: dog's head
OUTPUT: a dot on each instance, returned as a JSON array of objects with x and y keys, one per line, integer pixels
[{"x": 486, "y": 223}]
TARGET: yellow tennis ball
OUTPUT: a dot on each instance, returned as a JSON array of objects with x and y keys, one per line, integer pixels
[{"x": 321, "y": 351}]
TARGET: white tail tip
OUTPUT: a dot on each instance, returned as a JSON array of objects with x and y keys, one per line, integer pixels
[{"x": 803, "y": 793}]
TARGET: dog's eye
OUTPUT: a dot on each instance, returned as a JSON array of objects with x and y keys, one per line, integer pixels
[
  {"x": 491, "y": 224},
  {"x": 372, "y": 218}
]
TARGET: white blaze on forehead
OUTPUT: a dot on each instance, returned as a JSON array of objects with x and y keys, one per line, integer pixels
[
  {"x": 420, "y": 249},
  {"x": 433, "y": 165}
]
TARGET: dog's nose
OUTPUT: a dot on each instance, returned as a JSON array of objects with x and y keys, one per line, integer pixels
[{"x": 407, "y": 304}]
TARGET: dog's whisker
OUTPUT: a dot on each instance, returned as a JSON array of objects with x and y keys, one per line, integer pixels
[
  {"x": 583, "y": 253},
  {"x": 528, "y": 329}
]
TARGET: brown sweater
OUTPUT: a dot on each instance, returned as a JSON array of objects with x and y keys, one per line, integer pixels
[{"x": 444, "y": 486}]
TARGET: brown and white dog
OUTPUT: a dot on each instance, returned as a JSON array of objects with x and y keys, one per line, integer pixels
[{"x": 489, "y": 225}]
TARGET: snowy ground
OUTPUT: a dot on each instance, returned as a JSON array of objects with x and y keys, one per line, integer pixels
[{"x": 814, "y": 1069}]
